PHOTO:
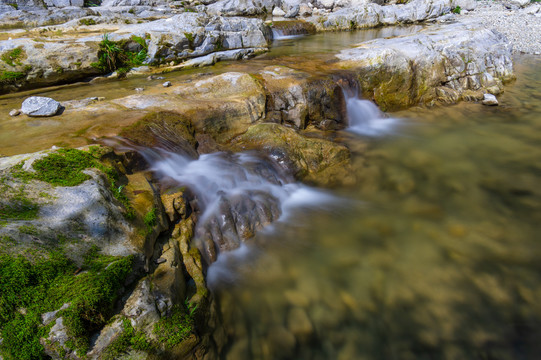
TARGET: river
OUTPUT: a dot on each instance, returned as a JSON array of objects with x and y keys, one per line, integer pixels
[{"x": 432, "y": 254}]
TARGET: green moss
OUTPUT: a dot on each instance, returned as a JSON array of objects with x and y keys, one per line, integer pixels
[
  {"x": 14, "y": 5},
  {"x": 13, "y": 57},
  {"x": 11, "y": 77},
  {"x": 129, "y": 339},
  {"x": 29, "y": 229},
  {"x": 87, "y": 22},
  {"x": 18, "y": 207},
  {"x": 65, "y": 168},
  {"x": 456, "y": 10},
  {"x": 173, "y": 329},
  {"x": 44, "y": 285}
]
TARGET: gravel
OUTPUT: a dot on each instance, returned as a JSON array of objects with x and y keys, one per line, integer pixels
[{"x": 522, "y": 26}]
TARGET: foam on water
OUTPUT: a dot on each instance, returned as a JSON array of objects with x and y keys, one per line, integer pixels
[{"x": 365, "y": 118}]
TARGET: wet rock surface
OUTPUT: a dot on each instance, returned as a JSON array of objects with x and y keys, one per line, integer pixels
[{"x": 40, "y": 106}]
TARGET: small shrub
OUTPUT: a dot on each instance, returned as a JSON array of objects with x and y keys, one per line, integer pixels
[
  {"x": 112, "y": 56},
  {"x": 456, "y": 10}
]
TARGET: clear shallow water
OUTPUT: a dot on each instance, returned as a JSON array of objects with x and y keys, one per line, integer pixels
[{"x": 440, "y": 262}]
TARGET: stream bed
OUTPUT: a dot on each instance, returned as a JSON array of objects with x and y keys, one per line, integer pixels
[{"x": 434, "y": 254}]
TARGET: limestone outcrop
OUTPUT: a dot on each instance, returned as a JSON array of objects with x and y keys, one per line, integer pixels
[{"x": 448, "y": 63}]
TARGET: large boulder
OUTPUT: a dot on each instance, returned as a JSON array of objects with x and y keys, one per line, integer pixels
[{"x": 447, "y": 63}]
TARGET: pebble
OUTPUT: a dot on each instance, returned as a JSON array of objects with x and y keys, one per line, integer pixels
[
  {"x": 15, "y": 112},
  {"x": 521, "y": 26},
  {"x": 167, "y": 84},
  {"x": 139, "y": 89},
  {"x": 160, "y": 261},
  {"x": 490, "y": 100}
]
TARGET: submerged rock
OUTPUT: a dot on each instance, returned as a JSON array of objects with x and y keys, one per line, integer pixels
[{"x": 40, "y": 106}]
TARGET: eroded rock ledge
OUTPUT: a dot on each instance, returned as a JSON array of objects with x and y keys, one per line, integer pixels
[{"x": 446, "y": 63}]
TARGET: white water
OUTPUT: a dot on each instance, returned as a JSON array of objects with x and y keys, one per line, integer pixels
[
  {"x": 365, "y": 118},
  {"x": 279, "y": 35},
  {"x": 221, "y": 176}
]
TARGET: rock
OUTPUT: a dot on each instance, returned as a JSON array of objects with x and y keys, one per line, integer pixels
[
  {"x": 490, "y": 100},
  {"x": 15, "y": 112},
  {"x": 167, "y": 84},
  {"x": 298, "y": 99},
  {"x": 313, "y": 160},
  {"x": 516, "y": 4},
  {"x": 407, "y": 70},
  {"x": 48, "y": 317},
  {"x": 139, "y": 89},
  {"x": 222, "y": 106},
  {"x": 40, "y": 106},
  {"x": 164, "y": 129},
  {"x": 241, "y": 7},
  {"x": 278, "y": 12}
]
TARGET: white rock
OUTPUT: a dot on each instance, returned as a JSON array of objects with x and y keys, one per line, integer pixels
[
  {"x": 15, "y": 112},
  {"x": 40, "y": 106},
  {"x": 278, "y": 12},
  {"x": 490, "y": 100},
  {"x": 167, "y": 84}
]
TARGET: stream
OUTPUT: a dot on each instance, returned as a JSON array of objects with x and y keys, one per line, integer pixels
[{"x": 432, "y": 254}]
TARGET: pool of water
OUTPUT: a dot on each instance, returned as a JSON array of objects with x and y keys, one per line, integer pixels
[{"x": 434, "y": 254}]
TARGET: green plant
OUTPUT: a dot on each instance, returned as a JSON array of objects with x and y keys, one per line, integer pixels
[
  {"x": 14, "y": 5},
  {"x": 112, "y": 55},
  {"x": 456, "y": 10},
  {"x": 173, "y": 329}
]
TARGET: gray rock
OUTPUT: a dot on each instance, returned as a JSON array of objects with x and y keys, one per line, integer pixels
[
  {"x": 490, "y": 100},
  {"x": 48, "y": 317},
  {"x": 167, "y": 84},
  {"x": 15, "y": 112},
  {"x": 40, "y": 106}
]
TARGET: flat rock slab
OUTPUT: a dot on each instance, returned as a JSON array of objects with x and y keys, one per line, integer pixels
[{"x": 40, "y": 106}]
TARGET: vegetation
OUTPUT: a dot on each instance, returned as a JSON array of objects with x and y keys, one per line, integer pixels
[
  {"x": 13, "y": 57},
  {"x": 112, "y": 55},
  {"x": 173, "y": 329},
  {"x": 150, "y": 218},
  {"x": 129, "y": 339},
  {"x": 456, "y": 10},
  {"x": 31, "y": 287},
  {"x": 18, "y": 207},
  {"x": 87, "y": 22},
  {"x": 65, "y": 168}
]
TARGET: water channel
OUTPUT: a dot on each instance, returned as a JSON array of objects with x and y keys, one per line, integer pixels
[{"x": 433, "y": 254}]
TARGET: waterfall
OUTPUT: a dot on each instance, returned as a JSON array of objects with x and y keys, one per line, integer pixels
[
  {"x": 237, "y": 194},
  {"x": 279, "y": 35},
  {"x": 364, "y": 117}
]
